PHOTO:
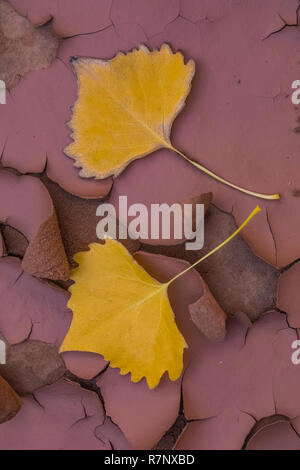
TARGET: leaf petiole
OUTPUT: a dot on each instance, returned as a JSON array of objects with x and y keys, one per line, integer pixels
[
  {"x": 218, "y": 178},
  {"x": 253, "y": 213}
]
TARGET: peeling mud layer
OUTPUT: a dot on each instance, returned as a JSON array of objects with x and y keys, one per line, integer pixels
[{"x": 238, "y": 310}]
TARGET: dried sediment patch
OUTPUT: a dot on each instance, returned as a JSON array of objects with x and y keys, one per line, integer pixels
[{"x": 23, "y": 47}]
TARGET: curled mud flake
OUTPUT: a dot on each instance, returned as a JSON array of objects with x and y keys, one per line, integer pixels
[
  {"x": 45, "y": 256},
  {"x": 26, "y": 206},
  {"x": 32, "y": 365},
  {"x": 265, "y": 226},
  {"x": 23, "y": 47},
  {"x": 62, "y": 416},
  {"x": 208, "y": 316},
  {"x": 84, "y": 365},
  {"x": 10, "y": 403}
]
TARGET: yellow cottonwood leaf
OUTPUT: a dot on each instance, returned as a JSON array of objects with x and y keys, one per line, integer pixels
[
  {"x": 126, "y": 107},
  {"x": 124, "y": 314},
  {"x": 125, "y": 110}
]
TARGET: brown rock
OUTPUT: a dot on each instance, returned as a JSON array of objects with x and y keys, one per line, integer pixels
[
  {"x": 10, "y": 403},
  {"x": 32, "y": 365},
  {"x": 23, "y": 48}
]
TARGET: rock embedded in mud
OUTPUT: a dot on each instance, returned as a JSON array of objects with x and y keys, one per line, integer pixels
[
  {"x": 10, "y": 402},
  {"x": 23, "y": 48},
  {"x": 32, "y": 365}
]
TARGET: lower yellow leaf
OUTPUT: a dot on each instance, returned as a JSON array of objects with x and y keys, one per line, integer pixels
[{"x": 122, "y": 313}]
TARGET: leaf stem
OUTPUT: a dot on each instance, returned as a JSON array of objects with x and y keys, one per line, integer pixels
[
  {"x": 218, "y": 178},
  {"x": 253, "y": 213}
]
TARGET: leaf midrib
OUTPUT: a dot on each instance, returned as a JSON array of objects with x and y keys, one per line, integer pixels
[{"x": 142, "y": 123}]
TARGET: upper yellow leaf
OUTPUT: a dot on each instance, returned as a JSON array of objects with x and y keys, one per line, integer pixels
[
  {"x": 126, "y": 107},
  {"x": 122, "y": 313}
]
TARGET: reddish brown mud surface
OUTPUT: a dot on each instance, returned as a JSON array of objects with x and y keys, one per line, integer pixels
[{"x": 239, "y": 388}]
